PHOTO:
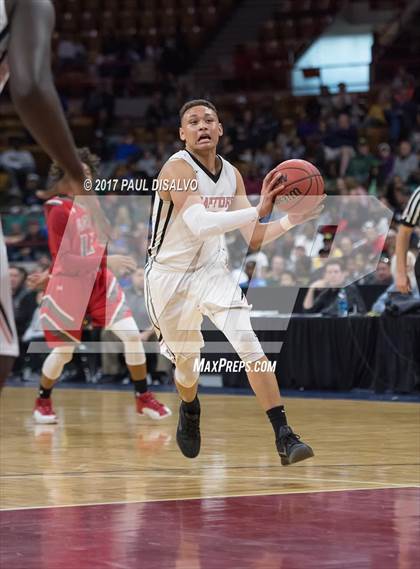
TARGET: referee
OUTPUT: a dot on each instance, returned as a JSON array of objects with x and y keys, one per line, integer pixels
[{"x": 410, "y": 218}]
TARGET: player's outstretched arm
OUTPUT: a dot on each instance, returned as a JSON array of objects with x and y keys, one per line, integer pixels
[
  {"x": 260, "y": 234},
  {"x": 31, "y": 84},
  {"x": 402, "y": 281},
  {"x": 203, "y": 223}
]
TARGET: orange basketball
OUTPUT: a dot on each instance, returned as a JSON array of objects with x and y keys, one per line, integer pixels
[{"x": 303, "y": 186}]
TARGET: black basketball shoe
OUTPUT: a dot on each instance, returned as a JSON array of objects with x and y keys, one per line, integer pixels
[
  {"x": 188, "y": 432},
  {"x": 290, "y": 448}
]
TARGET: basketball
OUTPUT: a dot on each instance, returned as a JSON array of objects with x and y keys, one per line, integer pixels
[{"x": 303, "y": 186}]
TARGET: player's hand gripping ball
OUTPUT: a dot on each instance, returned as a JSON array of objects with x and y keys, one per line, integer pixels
[{"x": 303, "y": 187}]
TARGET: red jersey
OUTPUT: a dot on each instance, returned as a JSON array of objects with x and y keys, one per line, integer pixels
[
  {"x": 72, "y": 238},
  {"x": 80, "y": 284}
]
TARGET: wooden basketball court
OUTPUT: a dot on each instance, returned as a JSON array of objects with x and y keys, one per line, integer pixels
[{"x": 121, "y": 478}]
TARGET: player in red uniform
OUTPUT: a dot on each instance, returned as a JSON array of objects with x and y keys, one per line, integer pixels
[{"x": 81, "y": 285}]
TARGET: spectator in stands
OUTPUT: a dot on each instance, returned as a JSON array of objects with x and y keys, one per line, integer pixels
[
  {"x": 342, "y": 102},
  {"x": 24, "y": 302},
  {"x": 308, "y": 125},
  {"x": 380, "y": 304},
  {"x": 147, "y": 164},
  {"x": 303, "y": 270},
  {"x": 100, "y": 104},
  {"x": 350, "y": 268},
  {"x": 406, "y": 162},
  {"x": 32, "y": 185},
  {"x": 241, "y": 63},
  {"x": 402, "y": 79},
  {"x": 277, "y": 268},
  {"x": 382, "y": 275},
  {"x": 341, "y": 187},
  {"x": 127, "y": 148},
  {"x": 326, "y": 301},
  {"x": 18, "y": 163},
  {"x": 360, "y": 166},
  {"x": 24, "y": 305},
  {"x": 346, "y": 246},
  {"x": 285, "y": 246},
  {"x": 35, "y": 242},
  {"x": 287, "y": 279},
  {"x": 403, "y": 110},
  {"x": 298, "y": 252},
  {"x": 13, "y": 238},
  {"x": 262, "y": 160},
  {"x": 156, "y": 112},
  {"x": 294, "y": 149},
  {"x": 43, "y": 264},
  {"x": 252, "y": 180},
  {"x": 415, "y": 135},
  {"x": 70, "y": 51},
  {"x": 385, "y": 164},
  {"x": 340, "y": 143},
  {"x": 325, "y": 101},
  {"x": 397, "y": 194},
  {"x": 376, "y": 116}
]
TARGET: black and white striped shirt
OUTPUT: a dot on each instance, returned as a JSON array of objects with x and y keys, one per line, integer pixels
[
  {"x": 411, "y": 215},
  {"x": 4, "y": 29},
  {"x": 4, "y": 38}
]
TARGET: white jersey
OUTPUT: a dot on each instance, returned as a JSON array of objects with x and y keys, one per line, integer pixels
[
  {"x": 173, "y": 245},
  {"x": 4, "y": 40}
]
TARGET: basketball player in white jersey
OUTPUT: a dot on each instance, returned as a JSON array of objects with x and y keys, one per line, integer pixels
[
  {"x": 26, "y": 27},
  {"x": 187, "y": 275}
]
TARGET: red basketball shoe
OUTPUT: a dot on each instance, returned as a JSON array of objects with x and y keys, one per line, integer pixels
[
  {"x": 147, "y": 404},
  {"x": 43, "y": 412}
]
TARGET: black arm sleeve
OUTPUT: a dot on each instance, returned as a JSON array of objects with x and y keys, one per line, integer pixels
[{"x": 31, "y": 83}]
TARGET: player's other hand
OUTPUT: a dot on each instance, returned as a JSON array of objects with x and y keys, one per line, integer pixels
[
  {"x": 66, "y": 186},
  {"x": 270, "y": 190},
  {"x": 37, "y": 281},
  {"x": 75, "y": 187},
  {"x": 121, "y": 264},
  {"x": 298, "y": 218},
  {"x": 402, "y": 283}
]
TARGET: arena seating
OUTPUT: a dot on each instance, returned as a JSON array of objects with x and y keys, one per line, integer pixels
[
  {"x": 290, "y": 30},
  {"x": 403, "y": 51}
]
